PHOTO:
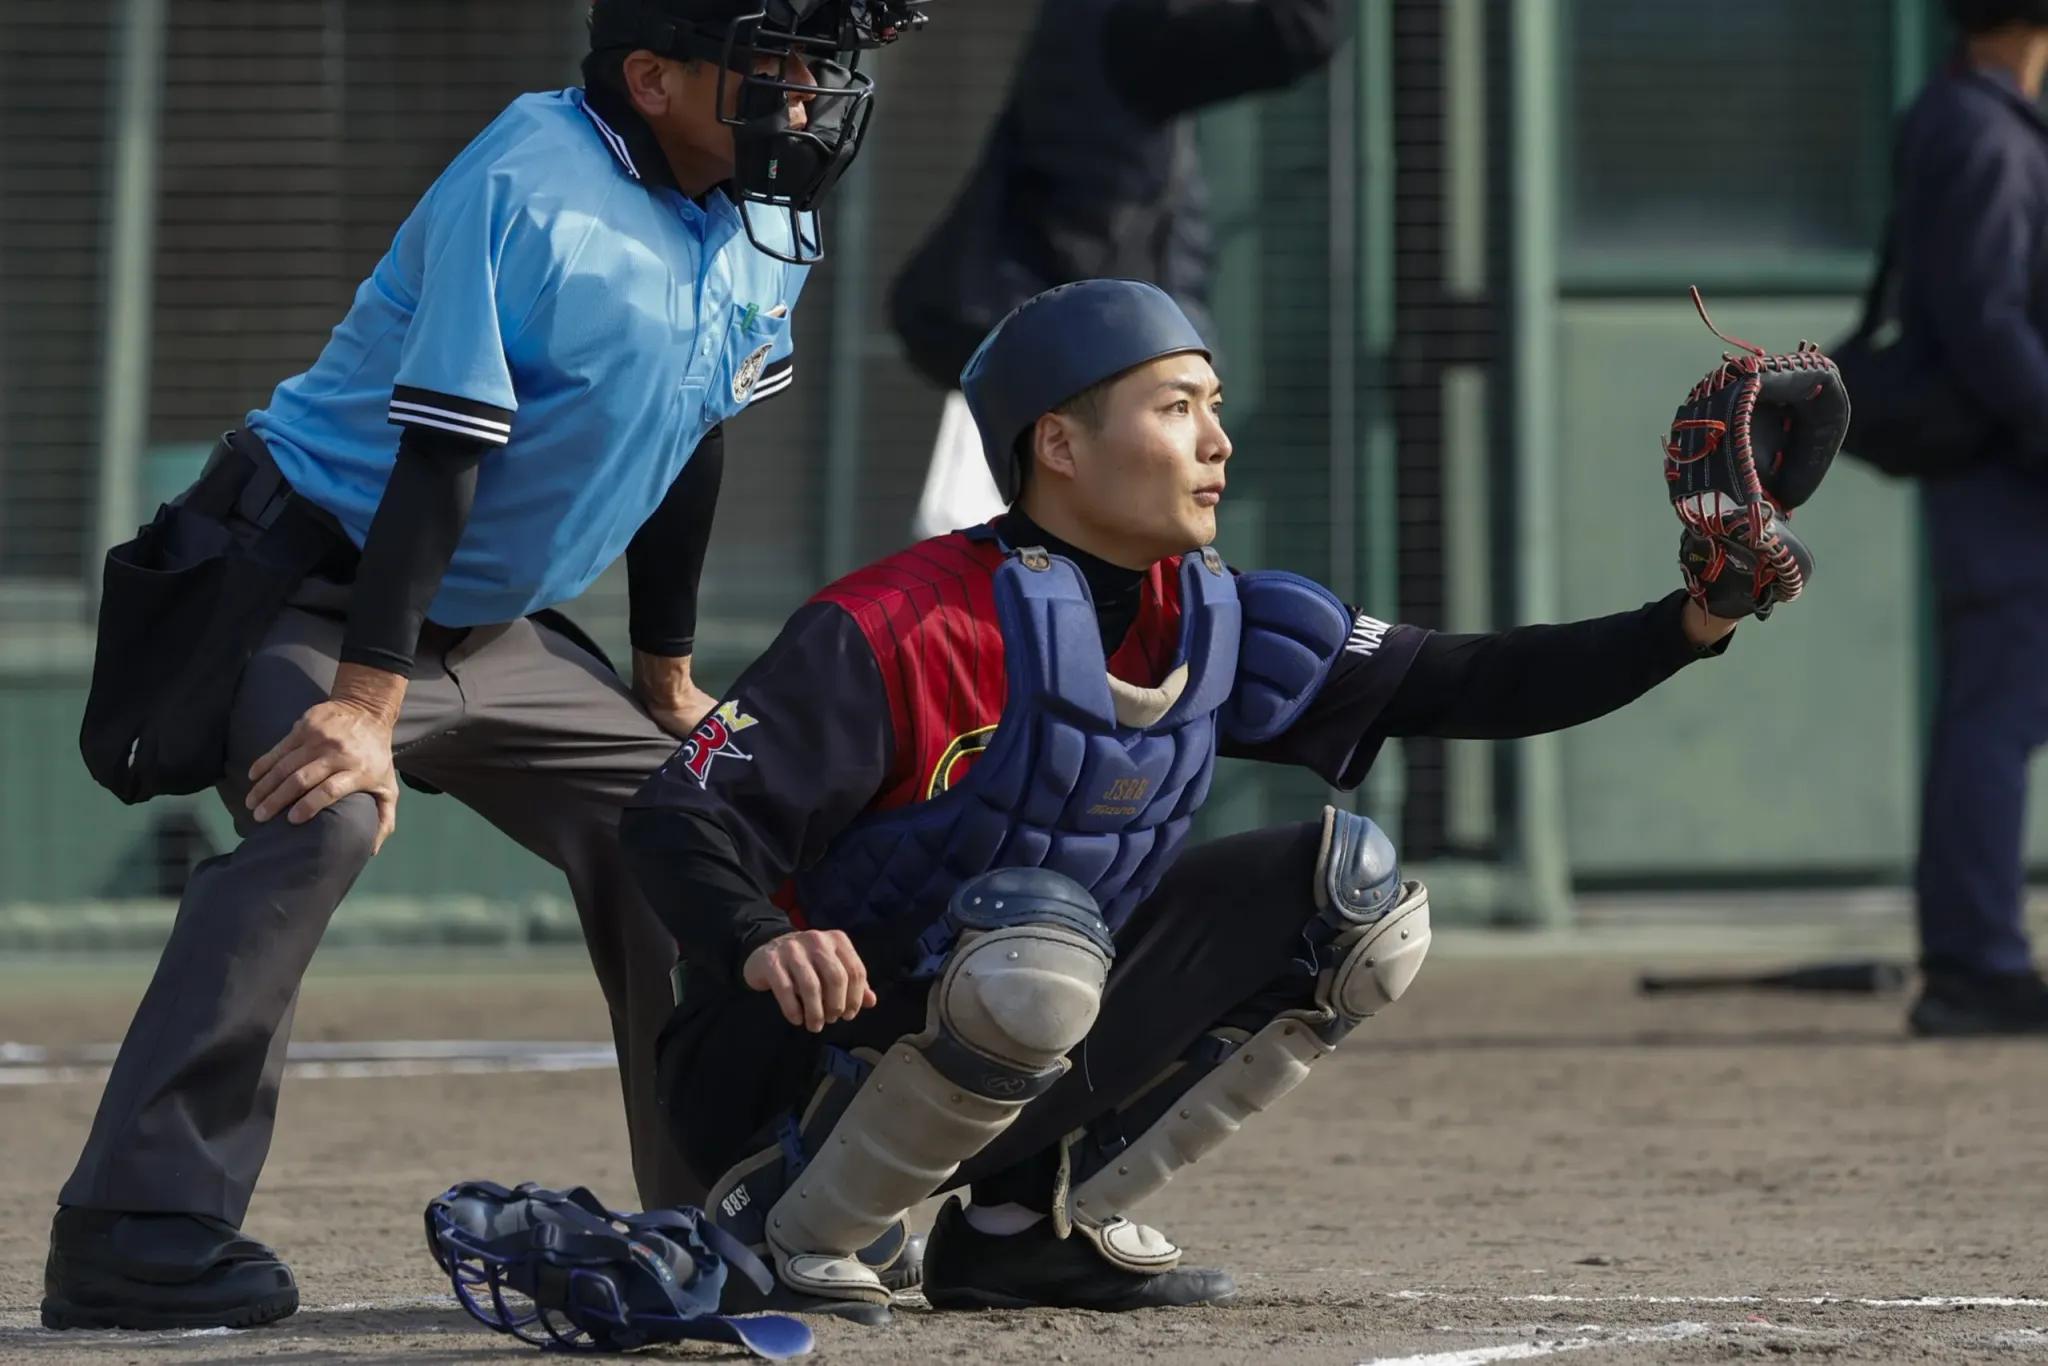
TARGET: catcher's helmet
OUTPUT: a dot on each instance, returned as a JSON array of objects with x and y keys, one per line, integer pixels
[
  {"x": 1057, "y": 344},
  {"x": 784, "y": 168}
]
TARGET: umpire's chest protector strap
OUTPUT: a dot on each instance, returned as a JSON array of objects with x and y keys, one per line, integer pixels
[{"x": 1294, "y": 629}]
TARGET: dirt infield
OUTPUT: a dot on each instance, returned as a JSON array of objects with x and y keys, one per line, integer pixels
[{"x": 1524, "y": 1159}]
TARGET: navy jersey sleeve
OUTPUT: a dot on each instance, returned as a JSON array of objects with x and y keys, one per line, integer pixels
[
  {"x": 452, "y": 372},
  {"x": 799, "y": 746},
  {"x": 1401, "y": 680},
  {"x": 1337, "y": 736}
]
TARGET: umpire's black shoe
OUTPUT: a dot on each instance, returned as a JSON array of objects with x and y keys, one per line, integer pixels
[
  {"x": 108, "y": 1269},
  {"x": 965, "y": 1268},
  {"x": 1958, "y": 1005}
]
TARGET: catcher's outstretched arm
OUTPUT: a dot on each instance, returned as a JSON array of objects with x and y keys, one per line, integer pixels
[{"x": 1534, "y": 679}]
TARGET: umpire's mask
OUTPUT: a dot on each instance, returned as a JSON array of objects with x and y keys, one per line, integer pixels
[{"x": 778, "y": 170}]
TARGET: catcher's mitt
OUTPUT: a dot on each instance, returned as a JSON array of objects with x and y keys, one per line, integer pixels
[{"x": 1751, "y": 442}]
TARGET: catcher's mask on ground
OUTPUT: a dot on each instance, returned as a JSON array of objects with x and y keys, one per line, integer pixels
[
  {"x": 558, "y": 1269},
  {"x": 773, "y": 57}
]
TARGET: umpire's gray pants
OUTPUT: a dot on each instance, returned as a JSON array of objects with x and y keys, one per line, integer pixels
[{"x": 515, "y": 721}]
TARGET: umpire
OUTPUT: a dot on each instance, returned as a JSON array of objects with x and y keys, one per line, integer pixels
[{"x": 559, "y": 330}]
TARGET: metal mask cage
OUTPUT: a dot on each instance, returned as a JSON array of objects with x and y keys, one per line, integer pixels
[
  {"x": 829, "y": 36},
  {"x": 492, "y": 1287},
  {"x": 480, "y": 1278},
  {"x": 838, "y": 110}
]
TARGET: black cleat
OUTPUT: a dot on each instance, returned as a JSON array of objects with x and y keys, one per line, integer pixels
[
  {"x": 109, "y": 1269},
  {"x": 1961, "y": 1005},
  {"x": 965, "y": 1268}
]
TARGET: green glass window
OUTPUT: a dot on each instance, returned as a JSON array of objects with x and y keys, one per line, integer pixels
[{"x": 1732, "y": 138}]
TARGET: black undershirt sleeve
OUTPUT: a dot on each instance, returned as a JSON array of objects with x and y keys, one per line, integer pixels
[
  {"x": 801, "y": 745},
  {"x": 1528, "y": 680},
  {"x": 665, "y": 559},
  {"x": 1172, "y": 57},
  {"x": 412, "y": 538},
  {"x": 1534, "y": 679}
]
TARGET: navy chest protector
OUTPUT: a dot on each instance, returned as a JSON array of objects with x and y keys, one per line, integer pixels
[{"x": 1092, "y": 778}]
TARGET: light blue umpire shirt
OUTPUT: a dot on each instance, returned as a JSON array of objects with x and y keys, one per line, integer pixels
[{"x": 545, "y": 297}]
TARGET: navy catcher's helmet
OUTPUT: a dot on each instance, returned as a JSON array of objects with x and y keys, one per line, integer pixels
[{"x": 1057, "y": 344}]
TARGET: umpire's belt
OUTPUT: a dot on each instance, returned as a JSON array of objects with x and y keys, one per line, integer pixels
[{"x": 241, "y": 484}]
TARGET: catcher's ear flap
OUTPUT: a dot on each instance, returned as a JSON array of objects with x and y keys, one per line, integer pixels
[{"x": 1802, "y": 414}]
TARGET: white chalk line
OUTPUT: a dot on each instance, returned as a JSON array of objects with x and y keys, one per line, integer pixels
[
  {"x": 1860, "y": 1301},
  {"x": 1518, "y": 1351},
  {"x": 30, "y": 1326},
  {"x": 27, "y": 1065},
  {"x": 1588, "y": 1336}
]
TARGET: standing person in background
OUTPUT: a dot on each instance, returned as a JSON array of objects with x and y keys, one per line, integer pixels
[
  {"x": 1972, "y": 221},
  {"x": 1091, "y": 172},
  {"x": 531, "y": 384}
]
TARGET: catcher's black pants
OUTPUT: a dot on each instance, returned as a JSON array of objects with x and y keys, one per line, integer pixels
[{"x": 1225, "y": 923}]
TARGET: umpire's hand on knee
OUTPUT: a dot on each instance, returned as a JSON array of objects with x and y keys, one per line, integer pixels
[
  {"x": 815, "y": 975},
  {"x": 337, "y": 748}
]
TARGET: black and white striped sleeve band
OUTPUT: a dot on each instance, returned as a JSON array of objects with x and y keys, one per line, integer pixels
[
  {"x": 444, "y": 412},
  {"x": 774, "y": 380}
]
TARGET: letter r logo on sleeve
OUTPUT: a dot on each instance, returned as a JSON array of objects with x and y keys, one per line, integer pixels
[{"x": 715, "y": 739}]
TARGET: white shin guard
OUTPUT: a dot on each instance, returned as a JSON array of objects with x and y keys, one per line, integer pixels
[
  {"x": 1012, "y": 1001},
  {"x": 1377, "y": 936}
]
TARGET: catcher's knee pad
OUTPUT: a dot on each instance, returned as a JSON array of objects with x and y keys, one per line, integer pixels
[
  {"x": 1371, "y": 930},
  {"x": 1369, "y": 935},
  {"x": 1019, "y": 990}
]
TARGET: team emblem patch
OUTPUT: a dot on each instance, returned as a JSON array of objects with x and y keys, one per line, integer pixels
[
  {"x": 714, "y": 740},
  {"x": 958, "y": 758},
  {"x": 749, "y": 371}
]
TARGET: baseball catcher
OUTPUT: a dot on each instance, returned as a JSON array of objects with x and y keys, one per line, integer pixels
[{"x": 929, "y": 860}]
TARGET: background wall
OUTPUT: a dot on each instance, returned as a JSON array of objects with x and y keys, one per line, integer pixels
[{"x": 1451, "y": 306}]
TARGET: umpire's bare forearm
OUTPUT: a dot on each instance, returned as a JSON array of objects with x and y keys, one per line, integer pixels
[{"x": 377, "y": 691}]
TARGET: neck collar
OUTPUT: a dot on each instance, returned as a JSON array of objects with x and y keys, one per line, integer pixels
[
  {"x": 631, "y": 142},
  {"x": 1104, "y": 579},
  {"x": 2000, "y": 79}
]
